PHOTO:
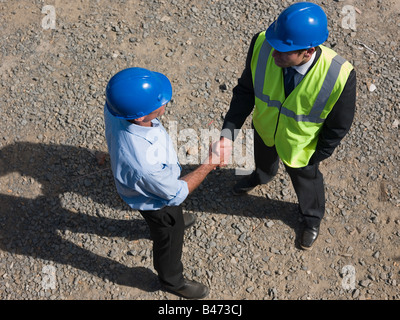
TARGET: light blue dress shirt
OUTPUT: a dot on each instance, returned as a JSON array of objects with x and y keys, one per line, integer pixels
[{"x": 144, "y": 164}]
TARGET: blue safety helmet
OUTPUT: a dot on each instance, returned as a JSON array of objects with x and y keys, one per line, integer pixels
[
  {"x": 302, "y": 25},
  {"x": 136, "y": 92}
]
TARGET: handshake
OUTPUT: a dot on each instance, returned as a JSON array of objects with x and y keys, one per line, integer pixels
[
  {"x": 219, "y": 153},
  {"x": 218, "y": 156}
]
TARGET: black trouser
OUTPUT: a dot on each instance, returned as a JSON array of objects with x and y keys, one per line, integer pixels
[
  {"x": 308, "y": 181},
  {"x": 166, "y": 230}
]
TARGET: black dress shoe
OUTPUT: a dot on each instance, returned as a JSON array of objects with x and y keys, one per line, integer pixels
[
  {"x": 246, "y": 184},
  {"x": 189, "y": 219},
  {"x": 189, "y": 290},
  {"x": 310, "y": 234}
]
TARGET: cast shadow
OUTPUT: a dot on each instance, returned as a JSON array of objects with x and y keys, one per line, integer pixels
[
  {"x": 36, "y": 226},
  {"x": 215, "y": 196}
]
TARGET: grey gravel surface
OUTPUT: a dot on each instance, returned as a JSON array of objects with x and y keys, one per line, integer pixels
[{"x": 64, "y": 232}]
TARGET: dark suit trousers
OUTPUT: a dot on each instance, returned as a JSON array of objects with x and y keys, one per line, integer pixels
[
  {"x": 308, "y": 181},
  {"x": 166, "y": 230}
]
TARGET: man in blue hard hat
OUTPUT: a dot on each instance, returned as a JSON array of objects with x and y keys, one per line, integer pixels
[
  {"x": 302, "y": 95},
  {"x": 147, "y": 172}
]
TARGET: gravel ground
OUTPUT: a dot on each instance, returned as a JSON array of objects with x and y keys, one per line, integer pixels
[{"x": 66, "y": 235}]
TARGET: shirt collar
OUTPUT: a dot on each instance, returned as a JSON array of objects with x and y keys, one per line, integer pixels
[
  {"x": 142, "y": 131},
  {"x": 304, "y": 67}
]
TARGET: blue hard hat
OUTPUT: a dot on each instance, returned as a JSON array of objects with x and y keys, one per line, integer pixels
[
  {"x": 136, "y": 92},
  {"x": 300, "y": 26}
]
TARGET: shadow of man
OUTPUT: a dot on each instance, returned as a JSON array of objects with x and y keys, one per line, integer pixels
[
  {"x": 215, "y": 196},
  {"x": 35, "y": 226}
]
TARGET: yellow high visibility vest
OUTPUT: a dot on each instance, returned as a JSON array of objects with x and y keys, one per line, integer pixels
[{"x": 292, "y": 124}]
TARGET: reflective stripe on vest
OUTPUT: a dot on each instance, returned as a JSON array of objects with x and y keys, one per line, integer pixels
[{"x": 323, "y": 95}]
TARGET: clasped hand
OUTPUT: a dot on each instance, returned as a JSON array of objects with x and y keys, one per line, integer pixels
[{"x": 220, "y": 152}]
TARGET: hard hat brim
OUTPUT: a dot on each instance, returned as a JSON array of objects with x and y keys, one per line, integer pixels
[{"x": 166, "y": 93}]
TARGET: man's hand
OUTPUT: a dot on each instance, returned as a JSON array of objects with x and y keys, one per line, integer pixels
[
  {"x": 218, "y": 155},
  {"x": 221, "y": 152}
]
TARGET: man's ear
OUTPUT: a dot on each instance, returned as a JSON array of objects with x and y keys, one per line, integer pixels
[
  {"x": 139, "y": 119},
  {"x": 309, "y": 52}
]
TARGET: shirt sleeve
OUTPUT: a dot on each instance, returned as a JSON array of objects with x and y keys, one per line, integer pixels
[
  {"x": 162, "y": 183},
  {"x": 338, "y": 122},
  {"x": 242, "y": 103}
]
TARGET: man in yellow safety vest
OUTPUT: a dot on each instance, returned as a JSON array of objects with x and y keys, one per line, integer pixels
[{"x": 303, "y": 95}]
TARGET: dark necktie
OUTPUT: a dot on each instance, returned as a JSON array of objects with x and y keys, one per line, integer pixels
[{"x": 289, "y": 80}]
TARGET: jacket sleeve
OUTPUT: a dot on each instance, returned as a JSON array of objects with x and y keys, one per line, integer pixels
[
  {"x": 242, "y": 103},
  {"x": 338, "y": 122}
]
